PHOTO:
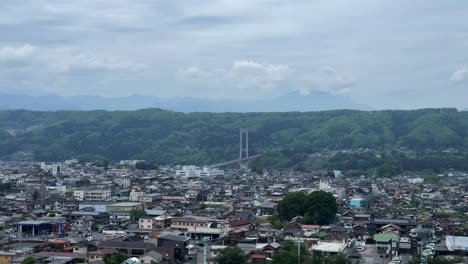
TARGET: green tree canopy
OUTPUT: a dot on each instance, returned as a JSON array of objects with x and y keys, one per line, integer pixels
[
  {"x": 285, "y": 139},
  {"x": 116, "y": 258},
  {"x": 291, "y": 206},
  {"x": 321, "y": 208},
  {"x": 29, "y": 260},
  {"x": 288, "y": 254},
  {"x": 231, "y": 255},
  {"x": 317, "y": 208},
  {"x": 35, "y": 195},
  {"x": 135, "y": 214}
]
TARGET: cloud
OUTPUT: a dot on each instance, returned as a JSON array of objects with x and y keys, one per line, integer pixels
[
  {"x": 327, "y": 79},
  {"x": 62, "y": 70},
  {"x": 243, "y": 75},
  {"x": 264, "y": 79},
  {"x": 16, "y": 54},
  {"x": 195, "y": 72},
  {"x": 236, "y": 47},
  {"x": 261, "y": 72},
  {"x": 460, "y": 75},
  {"x": 64, "y": 60},
  {"x": 79, "y": 61}
]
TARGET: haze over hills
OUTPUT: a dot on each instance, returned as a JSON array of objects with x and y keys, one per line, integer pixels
[{"x": 295, "y": 101}]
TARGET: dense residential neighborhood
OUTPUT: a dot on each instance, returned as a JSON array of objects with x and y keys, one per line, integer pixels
[{"x": 72, "y": 212}]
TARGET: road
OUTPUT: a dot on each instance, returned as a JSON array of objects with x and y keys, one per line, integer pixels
[{"x": 371, "y": 256}]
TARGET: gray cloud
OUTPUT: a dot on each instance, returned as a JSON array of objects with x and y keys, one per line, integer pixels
[
  {"x": 224, "y": 48},
  {"x": 263, "y": 79}
]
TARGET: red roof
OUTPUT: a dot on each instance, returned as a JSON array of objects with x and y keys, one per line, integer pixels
[
  {"x": 258, "y": 256},
  {"x": 310, "y": 227},
  {"x": 239, "y": 223}
]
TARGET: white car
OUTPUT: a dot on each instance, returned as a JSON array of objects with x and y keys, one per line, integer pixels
[
  {"x": 89, "y": 238},
  {"x": 360, "y": 244},
  {"x": 426, "y": 252},
  {"x": 360, "y": 248}
]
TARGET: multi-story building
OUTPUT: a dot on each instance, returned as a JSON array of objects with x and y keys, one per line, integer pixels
[
  {"x": 91, "y": 195},
  {"x": 120, "y": 213},
  {"x": 135, "y": 194},
  {"x": 194, "y": 171},
  {"x": 145, "y": 222},
  {"x": 199, "y": 226}
]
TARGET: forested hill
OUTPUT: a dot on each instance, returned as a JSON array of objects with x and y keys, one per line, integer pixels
[{"x": 201, "y": 138}]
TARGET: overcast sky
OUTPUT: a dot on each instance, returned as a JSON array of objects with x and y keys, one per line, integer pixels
[{"x": 386, "y": 54}]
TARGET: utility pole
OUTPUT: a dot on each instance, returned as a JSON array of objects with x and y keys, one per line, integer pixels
[
  {"x": 298, "y": 248},
  {"x": 205, "y": 249}
]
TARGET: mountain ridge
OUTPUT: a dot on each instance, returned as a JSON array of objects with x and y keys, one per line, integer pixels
[
  {"x": 169, "y": 137},
  {"x": 295, "y": 101}
]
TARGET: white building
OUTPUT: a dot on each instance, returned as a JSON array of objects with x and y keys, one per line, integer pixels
[
  {"x": 135, "y": 194},
  {"x": 16, "y": 179},
  {"x": 459, "y": 243},
  {"x": 54, "y": 168},
  {"x": 98, "y": 195},
  {"x": 92, "y": 195},
  {"x": 330, "y": 247},
  {"x": 417, "y": 180},
  {"x": 79, "y": 195},
  {"x": 194, "y": 171}
]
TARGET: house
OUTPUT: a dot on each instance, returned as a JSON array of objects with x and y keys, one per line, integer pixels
[
  {"x": 268, "y": 232},
  {"x": 100, "y": 254},
  {"x": 271, "y": 248},
  {"x": 135, "y": 194},
  {"x": 145, "y": 222},
  {"x": 130, "y": 247},
  {"x": 405, "y": 225},
  {"x": 120, "y": 213},
  {"x": 7, "y": 256},
  {"x": 259, "y": 258},
  {"x": 390, "y": 229},
  {"x": 178, "y": 243},
  {"x": 330, "y": 247},
  {"x": 383, "y": 241},
  {"x": 151, "y": 256},
  {"x": 310, "y": 230},
  {"x": 359, "y": 230},
  {"x": 267, "y": 208},
  {"x": 198, "y": 226}
]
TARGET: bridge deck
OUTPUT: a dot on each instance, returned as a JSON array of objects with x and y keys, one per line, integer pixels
[{"x": 235, "y": 161}]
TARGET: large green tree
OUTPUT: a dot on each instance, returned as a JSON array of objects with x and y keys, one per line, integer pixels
[
  {"x": 28, "y": 260},
  {"x": 318, "y": 207},
  {"x": 231, "y": 255},
  {"x": 319, "y": 258},
  {"x": 289, "y": 254},
  {"x": 321, "y": 208},
  {"x": 291, "y": 206},
  {"x": 137, "y": 213},
  {"x": 116, "y": 258}
]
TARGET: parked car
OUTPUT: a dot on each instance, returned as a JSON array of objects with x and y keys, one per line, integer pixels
[{"x": 360, "y": 248}]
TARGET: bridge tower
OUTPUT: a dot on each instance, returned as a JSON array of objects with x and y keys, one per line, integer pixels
[{"x": 244, "y": 148}]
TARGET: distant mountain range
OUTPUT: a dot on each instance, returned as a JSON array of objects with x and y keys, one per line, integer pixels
[{"x": 314, "y": 101}]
